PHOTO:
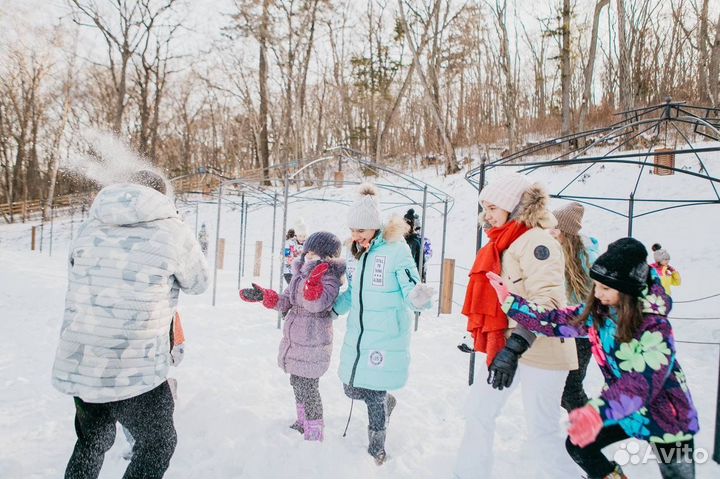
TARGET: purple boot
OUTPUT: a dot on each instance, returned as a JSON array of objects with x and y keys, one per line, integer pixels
[
  {"x": 299, "y": 424},
  {"x": 314, "y": 429}
]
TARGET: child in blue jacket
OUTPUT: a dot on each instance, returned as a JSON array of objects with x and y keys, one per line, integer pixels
[{"x": 385, "y": 286}]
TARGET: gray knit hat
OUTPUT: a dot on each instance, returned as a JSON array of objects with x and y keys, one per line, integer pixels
[
  {"x": 364, "y": 214},
  {"x": 569, "y": 218}
]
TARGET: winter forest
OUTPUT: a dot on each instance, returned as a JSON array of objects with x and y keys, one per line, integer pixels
[{"x": 241, "y": 85}]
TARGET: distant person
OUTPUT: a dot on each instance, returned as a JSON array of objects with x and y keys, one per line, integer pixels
[
  {"x": 413, "y": 239},
  {"x": 294, "y": 241},
  {"x": 580, "y": 253},
  {"x": 668, "y": 275},
  {"x": 126, "y": 268},
  {"x": 203, "y": 239}
]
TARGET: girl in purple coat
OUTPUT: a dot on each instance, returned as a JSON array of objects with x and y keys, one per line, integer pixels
[{"x": 306, "y": 345}]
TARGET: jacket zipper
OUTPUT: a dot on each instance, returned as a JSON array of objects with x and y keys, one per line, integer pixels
[{"x": 362, "y": 328}]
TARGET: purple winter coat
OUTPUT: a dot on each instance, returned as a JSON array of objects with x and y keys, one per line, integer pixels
[{"x": 306, "y": 344}]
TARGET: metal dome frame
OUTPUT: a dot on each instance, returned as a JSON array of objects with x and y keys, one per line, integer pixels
[{"x": 575, "y": 150}]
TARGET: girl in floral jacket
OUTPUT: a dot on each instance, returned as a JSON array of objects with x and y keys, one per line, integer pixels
[{"x": 645, "y": 394}]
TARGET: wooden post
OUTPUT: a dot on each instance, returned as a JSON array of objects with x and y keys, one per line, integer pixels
[
  {"x": 447, "y": 288},
  {"x": 339, "y": 179},
  {"x": 220, "y": 253},
  {"x": 32, "y": 240},
  {"x": 258, "y": 258}
]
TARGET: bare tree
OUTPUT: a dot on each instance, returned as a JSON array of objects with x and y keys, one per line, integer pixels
[{"x": 589, "y": 66}]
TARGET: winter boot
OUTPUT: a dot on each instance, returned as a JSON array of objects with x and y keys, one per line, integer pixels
[
  {"x": 389, "y": 406},
  {"x": 617, "y": 473},
  {"x": 313, "y": 429},
  {"x": 300, "y": 423},
  {"x": 376, "y": 447}
]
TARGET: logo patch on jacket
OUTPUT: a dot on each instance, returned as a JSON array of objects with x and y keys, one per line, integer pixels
[
  {"x": 378, "y": 274},
  {"x": 376, "y": 359},
  {"x": 541, "y": 252}
]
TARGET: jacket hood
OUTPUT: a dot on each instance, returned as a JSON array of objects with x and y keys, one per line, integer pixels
[
  {"x": 395, "y": 229},
  {"x": 533, "y": 209},
  {"x": 337, "y": 266},
  {"x": 655, "y": 299},
  {"x": 127, "y": 204}
]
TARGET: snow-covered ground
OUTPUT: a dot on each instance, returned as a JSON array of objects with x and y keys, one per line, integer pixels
[{"x": 234, "y": 403}]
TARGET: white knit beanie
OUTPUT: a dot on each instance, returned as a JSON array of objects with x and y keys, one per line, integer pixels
[
  {"x": 364, "y": 214},
  {"x": 506, "y": 191}
]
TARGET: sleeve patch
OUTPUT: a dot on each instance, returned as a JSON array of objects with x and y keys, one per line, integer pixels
[{"x": 542, "y": 252}]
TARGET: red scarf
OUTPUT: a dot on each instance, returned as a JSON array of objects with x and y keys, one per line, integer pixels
[{"x": 486, "y": 320}]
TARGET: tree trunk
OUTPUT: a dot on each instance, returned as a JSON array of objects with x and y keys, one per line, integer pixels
[
  {"x": 624, "y": 85},
  {"x": 263, "y": 149},
  {"x": 589, "y": 67},
  {"x": 703, "y": 90},
  {"x": 714, "y": 69},
  {"x": 565, "y": 74}
]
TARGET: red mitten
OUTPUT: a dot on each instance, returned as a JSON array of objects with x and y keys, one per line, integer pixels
[
  {"x": 313, "y": 286},
  {"x": 270, "y": 297},
  {"x": 585, "y": 425},
  {"x": 257, "y": 293},
  {"x": 497, "y": 282}
]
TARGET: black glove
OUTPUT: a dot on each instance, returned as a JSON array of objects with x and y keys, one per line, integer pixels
[
  {"x": 502, "y": 370},
  {"x": 252, "y": 295}
]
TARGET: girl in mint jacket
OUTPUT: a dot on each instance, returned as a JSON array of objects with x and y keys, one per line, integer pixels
[{"x": 385, "y": 286}]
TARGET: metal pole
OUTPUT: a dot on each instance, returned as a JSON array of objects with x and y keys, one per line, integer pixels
[
  {"x": 217, "y": 243},
  {"x": 422, "y": 246},
  {"x": 272, "y": 241},
  {"x": 52, "y": 223},
  {"x": 197, "y": 216},
  {"x": 281, "y": 287},
  {"x": 240, "y": 247},
  {"x": 481, "y": 184},
  {"x": 716, "y": 445},
  {"x": 42, "y": 231},
  {"x": 631, "y": 208},
  {"x": 442, "y": 254},
  {"x": 244, "y": 249}
]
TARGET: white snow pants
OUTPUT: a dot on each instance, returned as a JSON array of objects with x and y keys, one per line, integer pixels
[{"x": 544, "y": 454}]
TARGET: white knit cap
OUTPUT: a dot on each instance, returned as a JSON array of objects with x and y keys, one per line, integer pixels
[
  {"x": 506, "y": 191},
  {"x": 364, "y": 214},
  {"x": 300, "y": 228}
]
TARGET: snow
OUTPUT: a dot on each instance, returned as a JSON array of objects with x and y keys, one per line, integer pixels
[{"x": 235, "y": 404}]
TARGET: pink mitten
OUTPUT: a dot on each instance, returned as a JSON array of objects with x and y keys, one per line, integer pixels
[
  {"x": 497, "y": 282},
  {"x": 585, "y": 425}
]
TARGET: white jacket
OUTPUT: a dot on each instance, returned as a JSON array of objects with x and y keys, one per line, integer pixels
[{"x": 126, "y": 267}]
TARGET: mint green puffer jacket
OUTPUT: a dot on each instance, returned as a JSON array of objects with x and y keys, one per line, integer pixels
[{"x": 376, "y": 350}]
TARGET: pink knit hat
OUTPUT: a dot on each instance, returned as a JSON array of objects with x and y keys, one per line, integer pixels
[{"x": 506, "y": 191}]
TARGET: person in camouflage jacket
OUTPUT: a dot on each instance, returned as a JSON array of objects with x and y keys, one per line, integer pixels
[{"x": 127, "y": 266}]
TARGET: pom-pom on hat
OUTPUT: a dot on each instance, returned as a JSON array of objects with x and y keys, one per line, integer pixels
[
  {"x": 569, "y": 218},
  {"x": 364, "y": 213},
  {"x": 323, "y": 244},
  {"x": 506, "y": 191},
  {"x": 660, "y": 253},
  {"x": 623, "y": 267}
]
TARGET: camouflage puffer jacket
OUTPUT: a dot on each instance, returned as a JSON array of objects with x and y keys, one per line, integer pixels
[{"x": 126, "y": 268}]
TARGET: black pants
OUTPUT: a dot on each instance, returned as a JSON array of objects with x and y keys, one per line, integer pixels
[
  {"x": 288, "y": 277},
  {"x": 307, "y": 393},
  {"x": 148, "y": 417},
  {"x": 675, "y": 460},
  {"x": 574, "y": 395},
  {"x": 376, "y": 402}
]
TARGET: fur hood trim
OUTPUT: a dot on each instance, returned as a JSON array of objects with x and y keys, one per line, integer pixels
[
  {"x": 533, "y": 208},
  {"x": 337, "y": 266},
  {"x": 395, "y": 229}
]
